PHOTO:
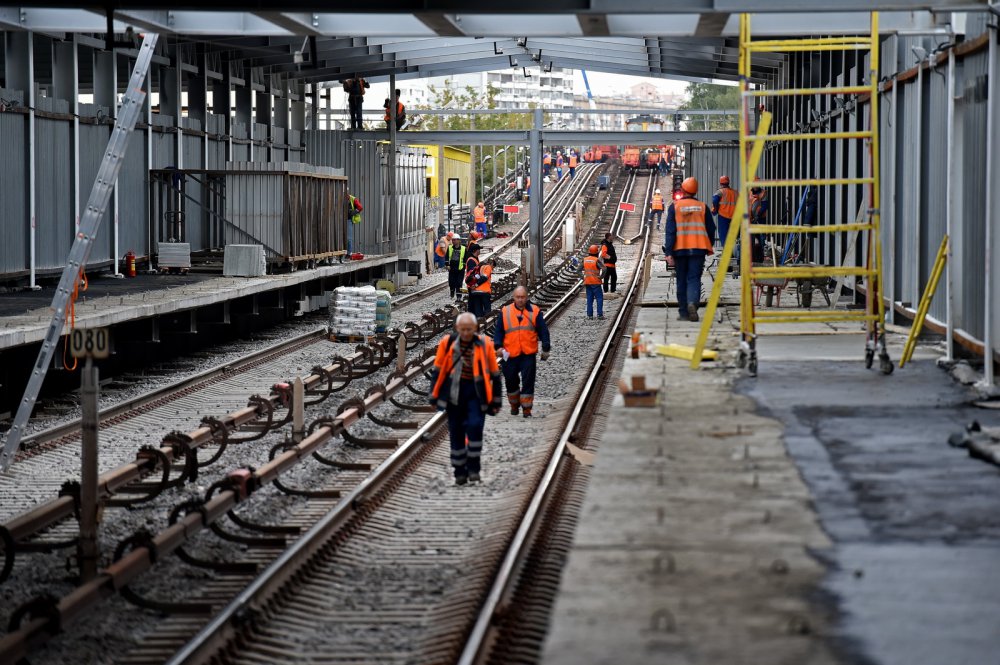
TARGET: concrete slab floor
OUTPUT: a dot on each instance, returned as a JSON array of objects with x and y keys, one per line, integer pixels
[{"x": 815, "y": 514}]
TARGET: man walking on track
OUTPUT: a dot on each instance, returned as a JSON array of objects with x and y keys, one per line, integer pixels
[
  {"x": 592, "y": 267},
  {"x": 610, "y": 257},
  {"x": 656, "y": 208},
  {"x": 518, "y": 331},
  {"x": 687, "y": 241},
  {"x": 465, "y": 382},
  {"x": 478, "y": 279},
  {"x": 455, "y": 260}
]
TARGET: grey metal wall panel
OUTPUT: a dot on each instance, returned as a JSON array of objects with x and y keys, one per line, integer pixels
[
  {"x": 908, "y": 177},
  {"x": 935, "y": 173},
  {"x": 93, "y": 142},
  {"x": 241, "y": 152},
  {"x": 708, "y": 161},
  {"x": 364, "y": 179},
  {"x": 14, "y": 222},
  {"x": 216, "y": 153},
  {"x": 195, "y": 224},
  {"x": 970, "y": 277},
  {"x": 323, "y": 148},
  {"x": 133, "y": 196},
  {"x": 164, "y": 149},
  {"x": 55, "y": 224}
]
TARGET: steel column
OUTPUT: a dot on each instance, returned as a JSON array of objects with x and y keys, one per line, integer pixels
[
  {"x": 537, "y": 194},
  {"x": 991, "y": 216},
  {"x": 949, "y": 207}
]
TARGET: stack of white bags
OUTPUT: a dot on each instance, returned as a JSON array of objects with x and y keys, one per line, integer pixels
[{"x": 353, "y": 311}]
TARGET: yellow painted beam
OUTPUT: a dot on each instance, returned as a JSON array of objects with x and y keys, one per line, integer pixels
[
  {"x": 794, "y": 92},
  {"x": 788, "y": 228},
  {"x": 794, "y": 272}
]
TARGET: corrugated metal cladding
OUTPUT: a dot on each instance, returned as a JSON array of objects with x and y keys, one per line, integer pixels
[
  {"x": 915, "y": 167},
  {"x": 708, "y": 162},
  {"x": 366, "y": 165},
  {"x": 14, "y": 222},
  {"x": 55, "y": 224},
  {"x": 93, "y": 141}
]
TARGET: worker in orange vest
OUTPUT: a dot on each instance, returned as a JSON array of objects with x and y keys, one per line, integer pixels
[
  {"x": 592, "y": 268},
  {"x": 656, "y": 208},
  {"x": 723, "y": 207},
  {"x": 610, "y": 257},
  {"x": 518, "y": 330},
  {"x": 572, "y": 164},
  {"x": 465, "y": 382},
  {"x": 479, "y": 217},
  {"x": 400, "y": 112},
  {"x": 478, "y": 279},
  {"x": 441, "y": 250},
  {"x": 546, "y": 164},
  {"x": 687, "y": 241},
  {"x": 355, "y": 88}
]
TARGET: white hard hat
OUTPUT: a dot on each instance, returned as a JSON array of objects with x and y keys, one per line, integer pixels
[{"x": 657, "y": 191}]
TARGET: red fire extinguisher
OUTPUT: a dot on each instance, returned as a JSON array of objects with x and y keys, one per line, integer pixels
[{"x": 130, "y": 264}]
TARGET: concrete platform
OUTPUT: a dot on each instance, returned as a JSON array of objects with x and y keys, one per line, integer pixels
[
  {"x": 25, "y": 316},
  {"x": 815, "y": 514}
]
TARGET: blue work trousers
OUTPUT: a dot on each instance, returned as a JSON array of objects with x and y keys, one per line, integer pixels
[
  {"x": 594, "y": 292},
  {"x": 350, "y": 236},
  {"x": 723, "y": 225},
  {"x": 689, "y": 279},
  {"x": 465, "y": 426},
  {"x": 519, "y": 377},
  {"x": 659, "y": 216},
  {"x": 479, "y": 303},
  {"x": 482, "y": 228}
]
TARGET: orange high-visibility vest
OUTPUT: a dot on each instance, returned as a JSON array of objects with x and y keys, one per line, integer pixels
[
  {"x": 487, "y": 271},
  {"x": 400, "y": 109},
  {"x": 591, "y": 273},
  {"x": 690, "y": 215},
  {"x": 484, "y": 366},
  {"x": 657, "y": 203},
  {"x": 441, "y": 249},
  {"x": 547, "y": 160},
  {"x": 605, "y": 255},
  {"x": 727, "y": 202},
  {"x": 572, "y": 161},
  {"x": 519, "y": 333},
  {"x": 479, "y": 214}
]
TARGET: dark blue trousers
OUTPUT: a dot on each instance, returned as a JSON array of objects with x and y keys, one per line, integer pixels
[
  {"x": 519, "y": 376},
  {"x": 465, "y": 421},
  {"x": 689, "y": 279}
]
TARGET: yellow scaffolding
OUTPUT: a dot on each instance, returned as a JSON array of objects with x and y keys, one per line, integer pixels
[{"x": 751, "y": 145}]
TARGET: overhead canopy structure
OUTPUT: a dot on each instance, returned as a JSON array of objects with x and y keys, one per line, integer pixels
[{"x": 316, "y": 41}]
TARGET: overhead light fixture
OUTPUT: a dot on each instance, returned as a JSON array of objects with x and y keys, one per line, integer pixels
[{"x": 522, "y": 41}]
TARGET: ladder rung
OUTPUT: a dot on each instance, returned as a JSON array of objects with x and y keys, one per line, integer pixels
[
  {"x": 809, "y": 41},
  {"x": 792, "y": 272},
  {"x": 810, "y": 136},
  {"x": 816, "y": 182},
  {"x": 796, "y": 316},
  {"x": 825, "y": 228},
  {"x": 853, "y": 46},
  {"x": 791, "y": 92}
]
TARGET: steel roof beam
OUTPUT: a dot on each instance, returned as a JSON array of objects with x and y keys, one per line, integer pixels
[
  {"x": 442, "y": 24},
  {"x": 552, "y": 137},
  {"x": 593, "y": 25}
]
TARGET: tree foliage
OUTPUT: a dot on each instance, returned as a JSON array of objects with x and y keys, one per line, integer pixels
[{"x": 708, "y": 97}]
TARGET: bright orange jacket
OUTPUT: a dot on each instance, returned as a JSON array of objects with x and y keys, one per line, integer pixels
[
  {"x": 727, "y": 202},
  {"x": 479, "y": 214},
  {"x": 446, "y": 374},
  {"x": 690, "y": 216},
  {"x": 657, "y": 203},
  {"x": 400, "y": 111},
  {"x": 572, "y": 161},
  {"x": 487, "y": 272},
  {"x": 591, "y": 271},
  {"x": 519, "y": 333}
]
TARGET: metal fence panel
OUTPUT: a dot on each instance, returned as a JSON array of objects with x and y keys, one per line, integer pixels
[
  {"x": 970, "y": 276},
  {"x": 709, "y": 161},
  {"x": 133, "y": 199},
  {"x": 93, "y": 142}
]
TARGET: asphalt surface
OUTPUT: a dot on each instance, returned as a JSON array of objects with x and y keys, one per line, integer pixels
[{"x": 914, "y": 522}]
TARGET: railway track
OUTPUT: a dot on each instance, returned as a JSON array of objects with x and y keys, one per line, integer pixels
[
  {"x": 407, "y": 541},
  {"x": 140, "y": 472}
]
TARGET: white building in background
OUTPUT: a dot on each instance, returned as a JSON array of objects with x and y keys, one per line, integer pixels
[{"x": 516, "y": 90}]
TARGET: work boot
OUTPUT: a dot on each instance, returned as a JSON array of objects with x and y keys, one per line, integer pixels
[
  {"x": 461, "y": 480},
  {"x": 527, "y": 413},
  {"x": 473, "y": 477},
  {"x": 682, "y": 315},
  {"x": 692, "y": 312},
  {"x": 513, "y": 410},
  {"x": 600, "y": 317}
]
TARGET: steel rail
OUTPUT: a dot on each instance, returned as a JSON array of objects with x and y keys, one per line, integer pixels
[{"x": 479, "y": 635}]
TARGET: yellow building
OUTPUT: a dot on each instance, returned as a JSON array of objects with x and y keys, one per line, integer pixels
[{"x": 457, "y": 165}]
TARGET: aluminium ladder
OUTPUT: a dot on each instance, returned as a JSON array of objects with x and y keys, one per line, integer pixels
[
  {"x": 873, "y": 315},
  {"x": 86, "y": 233}
]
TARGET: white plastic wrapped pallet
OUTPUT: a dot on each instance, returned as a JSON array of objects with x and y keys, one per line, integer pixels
[{"x": 353, "y": 311}]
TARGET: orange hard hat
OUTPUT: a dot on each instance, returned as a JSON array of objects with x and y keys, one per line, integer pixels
[
  {"x": 593, "y": 249},
  {"x": 724, "y": 180},
  {"x": 690, "y": 185}
]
